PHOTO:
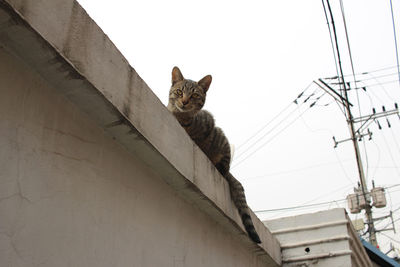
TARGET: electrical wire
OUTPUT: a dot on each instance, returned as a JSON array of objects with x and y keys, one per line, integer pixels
[
  {"x": 362, "y": 73},
  {"x": 393, "y": 211},
  {"x": 355, "y": 81},
  {"x": 394, "y": 139},
  {"x": 391, "y": 238},
  {"x": 264, "y": 126},
  {"x": 368, "y": 92},
  {"x": 304, "y": 205},
  {"x": 239, "y": 154},
  {"x": 330, "y": 36},
  {"x": 395, "y": 39},
  {"x": 390, "y": 154},
  {"x": 350, "y": 55},
  {"x": 301, "y": 206},
  {"x": 378, "y": 82},
  {"x": 268, "y": 123},
  {"x": 243, "y": 152},
  {"x": 337, "y": 45},
  {"x": 293, "y": 170},
  {"x": 342, "y": 167},
  {"x": 268, "y": 141},
  {"x": 374, "y": 77},
  {"x": 285, "y": 210},
  {"x": 378, "y": 155},
  {"x": 373, "y": 93}
]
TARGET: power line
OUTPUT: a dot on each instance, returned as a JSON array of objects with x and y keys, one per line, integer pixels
[
  {"x": 273, "y": 119},
  {"x": 390, "y": 154},
  {"x": 366, "y": 86},
  {"x": 393, "y": 211},
  {"x": 375, "y": 77},
  {"x": 362, "y": 73},
  {"x": 314, "y": 204},
  {"x": 264, "y": 126},
  {"x": 330, "y": 36},
  {"x": 294, "y": 170},
  {"x": 391, "y": 238},
  {"x": 373, "y": 93},
  {"x": 269, "y": 140},
  {"x": 395, "y": 40},
  {"x": 379, "y": 157},
  {"x": 354, "y": 77},
  {"x": 301, "y": 206},
  {"x": 349, "y": 49},
  {"x": 342, "y": 167},
  {"x": 243, "y": 153},
  {"x": 337, "y": 44},
  {"x": 395, "y": 185},
  {"x": 264, "y": 135},
  {"x": 376, "y": 84},
  {"x": 394, "y": 139}
]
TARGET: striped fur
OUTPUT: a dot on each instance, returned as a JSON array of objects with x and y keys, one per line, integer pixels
[{"x": 186, "y": 99}]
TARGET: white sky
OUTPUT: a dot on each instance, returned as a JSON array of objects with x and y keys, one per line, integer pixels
[{"x": 262, "y": 54}]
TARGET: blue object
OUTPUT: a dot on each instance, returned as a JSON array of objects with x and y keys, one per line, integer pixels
[{"x": 377, "y": 256}]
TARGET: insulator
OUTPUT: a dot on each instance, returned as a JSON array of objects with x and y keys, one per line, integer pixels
[
  {"x": 364, "y": 88},
  {"x": 395, "y": 106},
  {"x": 373, "y": 110},
  {"x": 379, "y": 125},
  {"x": 388, "y": 122},
  {"x": 383, "y": 108}
]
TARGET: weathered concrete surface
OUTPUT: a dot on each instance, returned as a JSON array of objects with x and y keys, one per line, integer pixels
[
  {"x": 325, "y": 239},
  {"x": 68, "y": 192}
]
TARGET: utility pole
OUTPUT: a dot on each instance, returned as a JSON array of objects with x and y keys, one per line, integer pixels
[
  {"x": 356, "y": 135},
  {"x": 364, "y": 188}
]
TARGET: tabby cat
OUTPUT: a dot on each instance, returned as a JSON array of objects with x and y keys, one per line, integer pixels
[{"x": 186, "y": 98}]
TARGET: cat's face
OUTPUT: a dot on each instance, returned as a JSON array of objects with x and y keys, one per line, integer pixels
[{"x": 187, "y": 95}]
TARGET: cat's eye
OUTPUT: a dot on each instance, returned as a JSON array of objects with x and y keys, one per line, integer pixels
[
  {"x": 178, "y": 92},
  {"x": 195, "y": 95}
]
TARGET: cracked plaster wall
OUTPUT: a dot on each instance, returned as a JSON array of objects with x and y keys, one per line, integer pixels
[{"x": 71, "y": 196}]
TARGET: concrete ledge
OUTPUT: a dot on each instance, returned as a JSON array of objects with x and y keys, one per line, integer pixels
[
  {"x": 60, "y": 41},
  {"x": 326, "y": 237}
]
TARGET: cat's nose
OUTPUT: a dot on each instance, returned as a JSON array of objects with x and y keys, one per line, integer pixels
[{"x": 185, "y": 101}]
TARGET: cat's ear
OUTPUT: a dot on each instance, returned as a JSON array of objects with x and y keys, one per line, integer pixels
[
  {"x": 205, "y": 82},
  {"x": 176, "y": 75}
]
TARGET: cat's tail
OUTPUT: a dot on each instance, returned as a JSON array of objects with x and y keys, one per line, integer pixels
[{"x": 239, "y": 198}]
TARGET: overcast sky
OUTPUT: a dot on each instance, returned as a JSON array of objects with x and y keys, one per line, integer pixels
[{"x": 262, "y": 55}]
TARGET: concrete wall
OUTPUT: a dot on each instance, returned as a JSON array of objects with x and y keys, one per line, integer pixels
[
  {"x": 89, "y": 169},
  {"x": 325, "y": 239}
]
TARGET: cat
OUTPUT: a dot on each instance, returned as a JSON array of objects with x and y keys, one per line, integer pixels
[{"x": 186, "y": 100}]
